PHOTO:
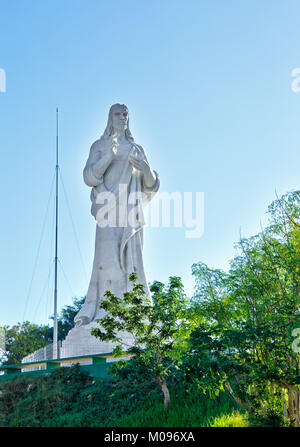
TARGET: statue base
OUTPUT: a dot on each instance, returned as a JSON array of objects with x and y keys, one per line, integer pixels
[{"x": 80, "y": 342}]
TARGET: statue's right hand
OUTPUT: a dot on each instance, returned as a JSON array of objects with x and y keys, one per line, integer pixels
[{"x": 114, "y": 147}]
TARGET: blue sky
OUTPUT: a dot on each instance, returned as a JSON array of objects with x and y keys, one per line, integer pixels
[{"x": 208, "y": 86}]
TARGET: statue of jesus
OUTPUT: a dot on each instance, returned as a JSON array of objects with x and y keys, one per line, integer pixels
[{"x": 116, "y": 165}]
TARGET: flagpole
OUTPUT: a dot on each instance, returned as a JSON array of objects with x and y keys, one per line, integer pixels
[{"x": 55, "y": 324}]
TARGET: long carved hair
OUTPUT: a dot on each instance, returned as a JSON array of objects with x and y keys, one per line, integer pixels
[{"x": 109, "y": 130}]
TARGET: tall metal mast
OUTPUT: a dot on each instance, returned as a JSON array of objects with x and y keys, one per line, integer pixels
[{"x": 55, "y": 331}]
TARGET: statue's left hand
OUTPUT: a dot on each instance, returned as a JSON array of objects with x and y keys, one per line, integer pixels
[{"x": 140, "y": 164}]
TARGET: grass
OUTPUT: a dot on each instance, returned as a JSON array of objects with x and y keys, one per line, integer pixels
[
  {"x": 191, "y": 409},
  {"x": 235, "y": 419},
  {"x": 70, "y": 398}
]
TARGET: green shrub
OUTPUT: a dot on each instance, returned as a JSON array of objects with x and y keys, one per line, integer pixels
[{"x": 68, "y": 397}]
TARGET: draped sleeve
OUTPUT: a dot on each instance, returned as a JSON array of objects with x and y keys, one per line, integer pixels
[
  {"x": 146, "y": 189},
  {"x": 152, "y": 189},
  {"x": 96, "y": 165}
]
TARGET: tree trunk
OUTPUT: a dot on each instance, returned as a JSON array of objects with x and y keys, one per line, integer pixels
[
  {"x": 297, "y": 408},
  {"x": 290, "y": 403},
  {"x": 243, "y": 405},
  {"x": 164, "y": 387},
  {"x": 294, "y": 405}
]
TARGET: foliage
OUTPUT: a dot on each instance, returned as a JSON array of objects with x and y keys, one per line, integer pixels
[
  {"x": 159, "y": 332},
  {"x": 25, "y": 338},
  {"x": 68, "y": 398},
  {"x": 246, "y": 317},
  {"x": 235, "y": 419},
  {"x": 66, "y": 318}
]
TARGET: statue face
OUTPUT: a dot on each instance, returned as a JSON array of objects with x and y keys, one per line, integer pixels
[{"x": 120, "y": 118}]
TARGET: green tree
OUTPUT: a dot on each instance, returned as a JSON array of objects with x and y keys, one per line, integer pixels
[
  {"x": 159, "y": 332},
  {"x": 66, "y": 318},
  {"x": 23, "y": 339},
  {"x": 244, "y": 340}
]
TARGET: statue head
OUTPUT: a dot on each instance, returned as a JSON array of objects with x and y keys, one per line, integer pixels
[{"x": 118, "y": 121}]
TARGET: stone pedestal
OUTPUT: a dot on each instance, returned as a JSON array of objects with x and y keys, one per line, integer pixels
[{"x": 79, "y": 341}]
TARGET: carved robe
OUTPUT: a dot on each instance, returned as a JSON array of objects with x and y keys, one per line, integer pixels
[{"x": 118, "y": 249}]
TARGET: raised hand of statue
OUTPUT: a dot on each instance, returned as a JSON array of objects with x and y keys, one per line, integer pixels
[{"x": 114, "y": 147}]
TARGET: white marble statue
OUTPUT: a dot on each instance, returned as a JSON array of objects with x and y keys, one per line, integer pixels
[{"x": 116, "y": 165}]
